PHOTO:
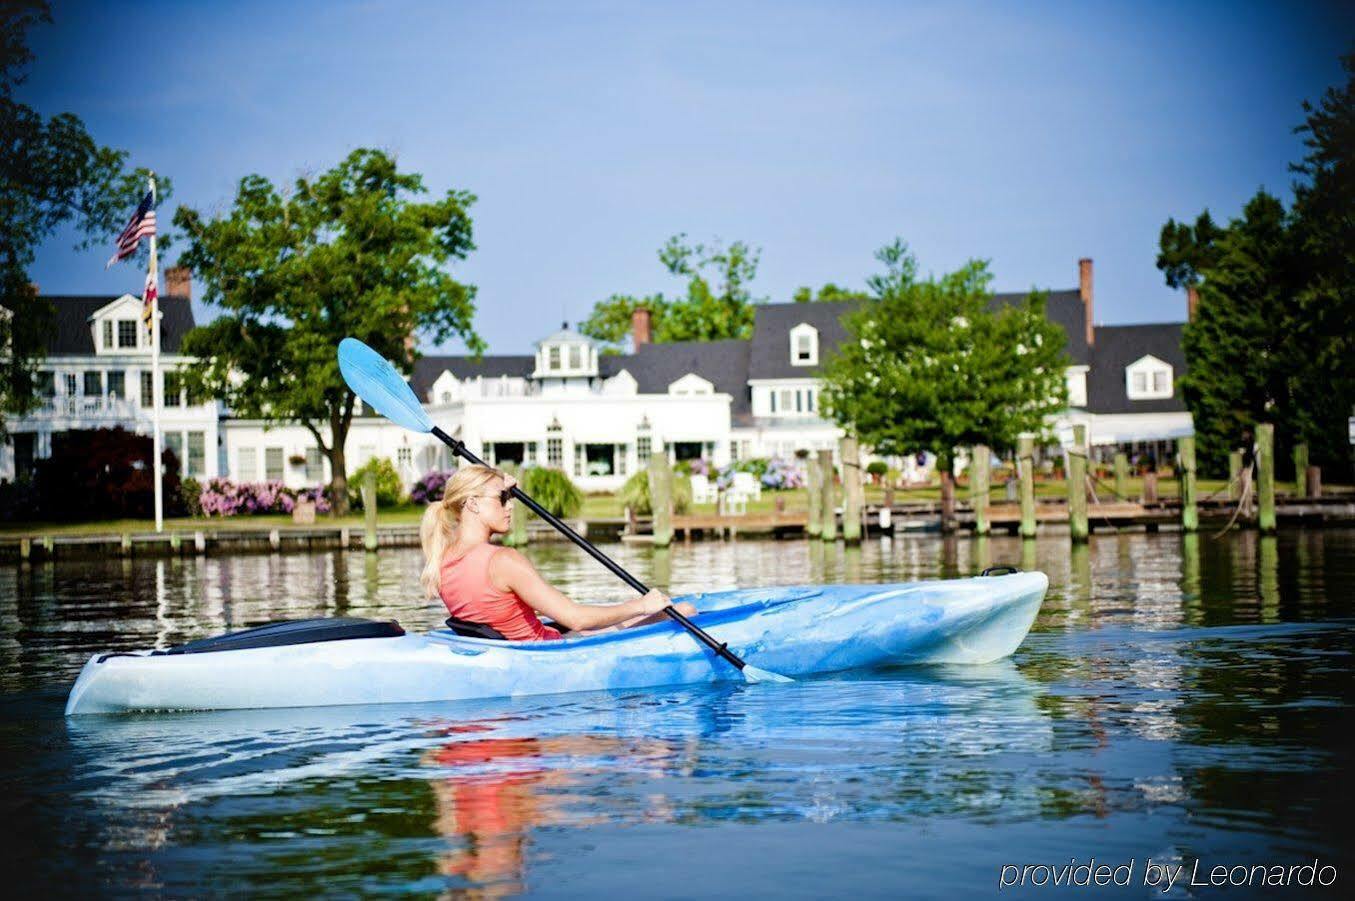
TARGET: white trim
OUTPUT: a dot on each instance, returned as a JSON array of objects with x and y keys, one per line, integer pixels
[
  {"x": 1149, "y": 367},
  {"x": 804, "y": 330}
]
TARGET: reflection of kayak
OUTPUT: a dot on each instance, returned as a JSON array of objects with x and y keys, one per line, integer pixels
[{"x": 796, "y": 631}]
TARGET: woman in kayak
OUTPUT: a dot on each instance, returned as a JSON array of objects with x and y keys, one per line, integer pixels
[{"x": 496, "y": 586}]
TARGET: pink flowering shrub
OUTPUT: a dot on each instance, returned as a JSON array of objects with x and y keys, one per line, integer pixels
[
  {"x": 222, "y": 497},
  {"x": 430, "y": 487}
]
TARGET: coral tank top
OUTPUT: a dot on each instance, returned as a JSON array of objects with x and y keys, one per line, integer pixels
[{"x": 465, "y": 587}]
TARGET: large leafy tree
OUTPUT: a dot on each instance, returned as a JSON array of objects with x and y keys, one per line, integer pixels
[
  {"x": 1242, "y": 362},
  {"x": 1324, "y": 226},
  {"x": 930, "y": 365},
  {"x": 1273, "y": 337},
  {"x": 52, "y": 173},
  {"x": 353, "y": 251},
  {"x": 717, "y": 302}
]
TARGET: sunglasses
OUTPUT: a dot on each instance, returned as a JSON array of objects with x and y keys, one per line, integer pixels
[{"x": 504, "y": 496}]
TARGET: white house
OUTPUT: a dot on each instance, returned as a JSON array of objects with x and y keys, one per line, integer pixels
[{"x": 97, "y": 374}]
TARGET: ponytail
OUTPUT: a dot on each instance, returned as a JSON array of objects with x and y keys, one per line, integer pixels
[{"x": 442, "y": 520}]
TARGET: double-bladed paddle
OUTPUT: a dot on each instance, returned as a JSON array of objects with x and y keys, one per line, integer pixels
[{"x": 380, "y": 385}]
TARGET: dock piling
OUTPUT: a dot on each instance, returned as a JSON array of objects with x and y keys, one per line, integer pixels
[
  {"x": 1121, "y": 476},
  {"x": 814, "y": 485},
  {"x": 1265, "y": 476},
  {"x": 978, "y": 488},
  {"x": 828, "y": 504},
  {"x": 1078, "y": 527},
  {"x": 369, "y": 511},
  {"x": 1190, "y": 515},
  {"x": 1235, "y": 476},
  {"x": 1300, "y": 470},
  {"x": 1025, "y": 459},
  {"x": 853, "y": 493},
  {"x": 517, "y": 533}
]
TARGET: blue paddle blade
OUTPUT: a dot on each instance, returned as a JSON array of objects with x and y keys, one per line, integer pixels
[
  {"x": 381, "y": 386},
  {"x": 753, "y": 674}
]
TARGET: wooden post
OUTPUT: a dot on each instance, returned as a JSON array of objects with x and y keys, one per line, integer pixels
[
  {"x": 1265, "y": 476},
  {"x": 1025, "y": 461},
  {"x": 661, "y": 499},
  {"x": 853, "y": 493},
  {"x": 1149, "y": 488},
  {"x": 1077, "y": 485},
  {"x": 1121, "y": 476},
  {"x": 1300, "y": 470},
  {"x": 25, "y": 549},
  {"x": 517, "y": 533},
  {"x": 1190, "y": 516},
  {"x": 48, "y": 546},
  {"x": 199, "y": 542},
  {"x": 1314, "y": 482},
  {"x": 1235, "y": 476},
  {"x": 814, "y": 484},
  {"x": 175, "y": 542},
  {"x": 126, "y": 544},
  {"x": 369, "y": 510},
  {"x": 828, "y": 504},
  {"x": 978, "y": 488}
]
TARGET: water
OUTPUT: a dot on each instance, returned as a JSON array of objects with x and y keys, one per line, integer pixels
[{"x": 1178, "y": 699}]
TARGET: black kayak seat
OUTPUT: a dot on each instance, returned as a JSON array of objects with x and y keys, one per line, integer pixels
[
  {"x": 289, "y": 632},
  {"x": 468, "y": 629}
]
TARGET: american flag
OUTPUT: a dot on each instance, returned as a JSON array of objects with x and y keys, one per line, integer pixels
[
  {"x": 148, "y": 300},
  {"x": 141, "y": 226}
]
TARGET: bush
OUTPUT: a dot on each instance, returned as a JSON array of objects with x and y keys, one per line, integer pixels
[
  {"x": 19, "y": 501},
  {"x": 635, "y": 494},
  {"x": 429, "y": 488},
  {"x": 877, "y": 468},
  {"x": 782, "y": 475},
  {"x": 103, "y": 474},
  {"x": 389, "y": 490},
  {"x": 553, "y": 490},
  {"x": 190, "y": 494},
  {"x": 222, "y": 497}
]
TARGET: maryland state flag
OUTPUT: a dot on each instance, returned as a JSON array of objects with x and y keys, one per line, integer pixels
[{"x": 148, "y": 303}]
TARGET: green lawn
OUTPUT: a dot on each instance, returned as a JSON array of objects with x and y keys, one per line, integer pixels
[{"x": 600, "y": 506}]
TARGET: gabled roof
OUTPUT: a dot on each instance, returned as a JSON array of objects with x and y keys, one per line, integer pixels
[
  {"x": 1116, "y": 347},
  {"x": 722, "y": 363},
  {"x": 1066, "y": 310},
  {"x": 428, "y": 369},
  {"x": 769, "y": 354},
  {"x": 565, "y": 335},
  {"x": 72, "y": 335}
]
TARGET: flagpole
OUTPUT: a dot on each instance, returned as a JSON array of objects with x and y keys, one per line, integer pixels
[{"x": 156, "y": 390}]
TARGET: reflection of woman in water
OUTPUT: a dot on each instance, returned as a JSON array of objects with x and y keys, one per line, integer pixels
[
  {"x": 504, "y": 789},
  {"x": 496, "y": 586}
]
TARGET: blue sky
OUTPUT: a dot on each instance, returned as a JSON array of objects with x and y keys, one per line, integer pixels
[{"x": 1029, "y": 134}]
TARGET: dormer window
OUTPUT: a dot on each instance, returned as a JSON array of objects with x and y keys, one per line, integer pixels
[
  {"x": 553, "y": 355},
  {"x": 804, "y": 345},
  {"x": 575, "y": 356},
  {"x": 126, "y": 333},
  {"x": 1148, "y": 378}
]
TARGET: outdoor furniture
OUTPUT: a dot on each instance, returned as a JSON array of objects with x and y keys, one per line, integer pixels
[
  {"x": 733, "y": 503},
  {"x": 747, "y": 485},
  {"x": 703, "y": 490}
]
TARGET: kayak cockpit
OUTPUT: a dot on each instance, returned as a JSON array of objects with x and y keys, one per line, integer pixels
[{"x": 287, "y": 632}]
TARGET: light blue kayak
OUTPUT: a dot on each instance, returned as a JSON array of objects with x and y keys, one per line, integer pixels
[{"x": 797, "y": 631}]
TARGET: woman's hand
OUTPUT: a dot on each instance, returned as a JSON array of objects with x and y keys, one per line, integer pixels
[{"x": 654, "y": 601}]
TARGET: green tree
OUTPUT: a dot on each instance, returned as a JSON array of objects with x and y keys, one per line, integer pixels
[
  {"x": 1241, "y": 360},
  {"x": 350, "y": 252},
  {"x": 1184, "y": 251},
  {"x": 1324, "y": 225},
  {"x": 717, "y": 303},
  {"x": 929, "y": 366},
  {"x": 52, "y": 173},
  {"x": 829, "y": 293}
]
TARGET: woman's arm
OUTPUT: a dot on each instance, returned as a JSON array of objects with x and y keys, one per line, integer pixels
[{"x": 511, "y": 571}]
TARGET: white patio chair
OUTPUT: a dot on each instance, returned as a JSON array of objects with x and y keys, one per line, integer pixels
[
  {"x": 747, "y": 485},
  {"x": 703, "y": 490}
]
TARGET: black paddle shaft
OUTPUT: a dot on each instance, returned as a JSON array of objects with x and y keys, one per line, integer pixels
[{"x": 719, "y": 647}]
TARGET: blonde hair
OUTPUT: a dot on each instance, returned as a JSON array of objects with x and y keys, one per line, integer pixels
[{"x": 441, "y": 520}]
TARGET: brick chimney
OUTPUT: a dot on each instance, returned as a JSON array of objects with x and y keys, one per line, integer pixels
[
  {"x": 1084, "y": 288},
  {"x": 640, "y": 321},
  {"x": 1192, "y": 302},
  {"x": 178, "y": 282}
]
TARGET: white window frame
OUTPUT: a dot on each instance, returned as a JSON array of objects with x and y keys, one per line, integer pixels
[
  {"x": 811, "y": 335},
  {"x": 1148, "y": 368}
]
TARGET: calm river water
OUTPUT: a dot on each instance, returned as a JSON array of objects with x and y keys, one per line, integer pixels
[{"x": 1180, "y": 699}]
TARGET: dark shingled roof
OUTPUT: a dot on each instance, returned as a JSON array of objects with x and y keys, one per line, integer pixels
[
  {"x": 1064, "y": 309},
  {"x": 769, "y": 356},
  {"x": 428, "y": 369},
  {"x": 722, "y": 363},
  {"x": 71, "y": 334},
  {"x": 1119, "y": 345}
]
